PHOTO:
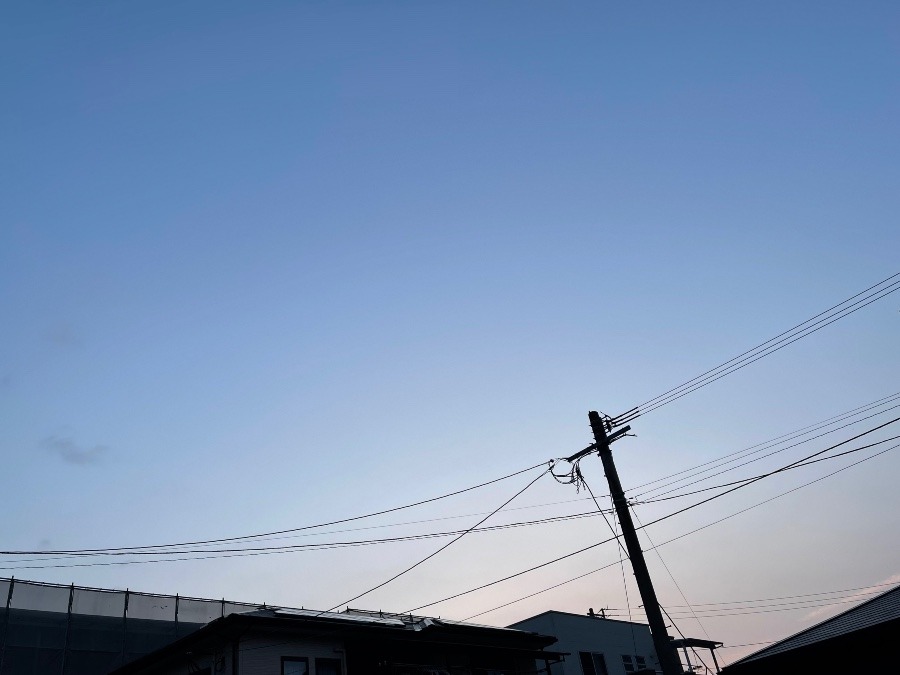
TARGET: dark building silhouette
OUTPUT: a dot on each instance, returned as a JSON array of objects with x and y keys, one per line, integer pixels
[
  {"x": 306, "y": 642},
  {"x": 51, "y": 629},
  {"x": 863, "y": 639}
]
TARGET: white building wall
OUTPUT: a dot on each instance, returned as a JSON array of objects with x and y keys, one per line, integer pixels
[
  {"x": 262, "y": 655},
  {"x": 576, "y": 633}
]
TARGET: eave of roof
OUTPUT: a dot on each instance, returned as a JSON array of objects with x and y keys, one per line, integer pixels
[
  {"x": 880, "y": 609},
  {"x": 579, "y": 616},
  {"x": 304, "y": 621}
]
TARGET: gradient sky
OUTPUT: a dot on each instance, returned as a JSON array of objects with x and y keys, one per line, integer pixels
[{"x": 268, "y": 264}]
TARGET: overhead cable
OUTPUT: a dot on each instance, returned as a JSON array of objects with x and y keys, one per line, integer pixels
[
  {"x": 648, "y": 524},
  {"x": 655, "y": 499},
  {"x": 761, "y": 447},
  {"x": 445, "y": 546},
  {"x": 770, "y": 346},
  {"x": 308, "y": 527}
]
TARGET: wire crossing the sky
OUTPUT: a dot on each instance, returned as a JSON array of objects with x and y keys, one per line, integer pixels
[
  {"x": 304, "y": 527},
  {"x": 445, "y": 546},
  {"x": 691, "y": 474},
  {"x": 666, "y": 517},
  {"x": 736, "y": 456},
  {"x": 209, "y": 553},
  {"x": 839, "y": 311}
]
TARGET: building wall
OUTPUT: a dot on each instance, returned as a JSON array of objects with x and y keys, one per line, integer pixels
[
  {"x": 262, "y": 655},
  {"x": 576, "y": 633},
  {"x": 51, "y": 629}
]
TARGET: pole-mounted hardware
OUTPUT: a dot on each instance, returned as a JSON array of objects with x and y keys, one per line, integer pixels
[{"x": 668, "y": 657}]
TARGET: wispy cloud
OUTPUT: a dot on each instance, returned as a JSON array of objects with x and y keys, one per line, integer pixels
[
  {"x": 63, "y": 334},
  {"x": 72, "y": 453}
]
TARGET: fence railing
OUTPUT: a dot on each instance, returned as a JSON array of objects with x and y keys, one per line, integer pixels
[{"x": 53, "y": 629}]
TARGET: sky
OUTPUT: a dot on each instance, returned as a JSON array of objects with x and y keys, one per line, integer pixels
[{"x": 266, "y": 265}]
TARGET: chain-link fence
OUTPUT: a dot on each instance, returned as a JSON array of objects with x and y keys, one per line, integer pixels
[{"x": 51, "y": 629}]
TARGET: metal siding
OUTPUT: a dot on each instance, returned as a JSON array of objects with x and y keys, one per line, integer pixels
[{"x": 885, "y": 607}]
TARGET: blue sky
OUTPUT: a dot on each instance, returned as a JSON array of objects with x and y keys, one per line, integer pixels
[{"x": 266, "y": 264}]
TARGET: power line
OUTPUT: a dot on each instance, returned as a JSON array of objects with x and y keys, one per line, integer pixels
[
  {"x": 751, "y": 611},
  {"x": 622, "y": 550},
  {"x": 795, "y": 604},
  {"x": 543, "y": 590},
  {"x": 791, "y": 335},
  {"x": 513, "y": 576},
  {"x": 653, "y": 522},
  {"x": 289, "y": 550},
  {"x": 771, "y": 499},
  {"x": 683, "y": 637},
  {"x": 764, "y": 475},
  {"x": 768, "y": 444},
  {"x": 762, "y": 609},
  {"x": 770, "y": 346},
  {"x": 445, "y": 546},
  {"x": 784, "y": 437},
  {"x": 341, "y": 544},
  {"x": 306, "y": 527},
  {"x": 749, "y": 644},
  {"x": 672, "y": 577},
  {"x": 779, "y": 470},
  {"x": 314, "y": 546},
  {"x": 792, "y": 597},
  {"x": 765, "y": 447}
]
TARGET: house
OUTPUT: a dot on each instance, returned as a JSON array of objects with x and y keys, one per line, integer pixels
[
  {"x": 56, "y": 629},
  {"x": 595, "y": 645},
  {"x": 307, "y": 642},
  {"x": 862, "y": 639}
]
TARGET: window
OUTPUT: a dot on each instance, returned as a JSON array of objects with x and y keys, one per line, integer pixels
[
  {"x": 294, "y": 665},
  {"x": 328, "y": 667},
  {"x": 633, "y": 663},
  {"x": 593, "y": 663}
]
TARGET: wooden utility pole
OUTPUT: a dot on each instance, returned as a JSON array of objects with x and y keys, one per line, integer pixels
[{"x": 665, "y": 652}]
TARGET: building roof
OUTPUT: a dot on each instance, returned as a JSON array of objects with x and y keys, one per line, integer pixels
[
  {"x": 586, "y": 617},
  {"x": 877, "y": 610},
  {"x": 349, "y": 624}
]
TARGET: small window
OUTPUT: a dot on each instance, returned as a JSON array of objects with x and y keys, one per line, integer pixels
[
  {"x": 328, "y": 667},
  {"x": 640, "y": 662},
  {"x": 628, "y": 663},
  {"x": 587, "y": 663},
  {"x": 294, "y": 665},
  {"x": 593, "y": 663}
]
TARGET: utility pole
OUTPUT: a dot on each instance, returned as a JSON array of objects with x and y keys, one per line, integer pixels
[{"x": 665, "y": 652}]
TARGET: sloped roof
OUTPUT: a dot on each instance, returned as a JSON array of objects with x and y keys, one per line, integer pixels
[
  {"x": 880, "y": 609},
  {"x": 354, "y": 623}
]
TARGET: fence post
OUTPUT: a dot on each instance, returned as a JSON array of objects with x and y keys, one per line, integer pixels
[
  {"x": 65, "y": 657},
  {"x": 125, "y": 628},
  {"x": 12, "y": 585}
]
